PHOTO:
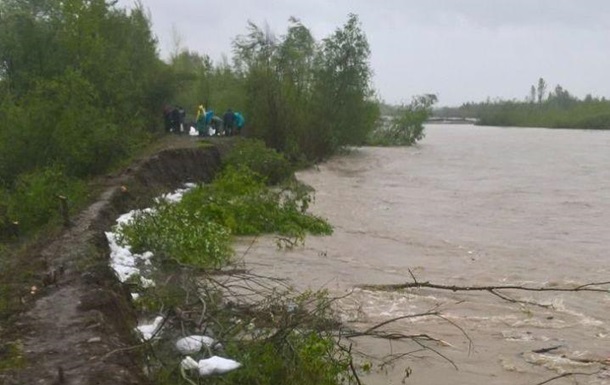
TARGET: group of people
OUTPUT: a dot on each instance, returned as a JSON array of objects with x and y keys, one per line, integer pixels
[
  {"x": 207, "y": 123},
  {"x": 174, "y": 118}
]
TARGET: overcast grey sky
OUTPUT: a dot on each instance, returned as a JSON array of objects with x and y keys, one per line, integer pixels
[{"x": 462, "y": 50}]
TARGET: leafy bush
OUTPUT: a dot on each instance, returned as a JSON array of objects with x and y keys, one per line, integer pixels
[
  {"x": 172, "y": 231},
  {"x": 239, "y": 200},
  {"x": 300, "y": 358},
  {"x": 197, "y": 230},
  {"x": 4, "y": 218},
  {"x": 408, "y": 128},
  {"x": 35, "y": 199},
  {"x": 279, "y": 337},
  {"x": 253, "y": 154}
]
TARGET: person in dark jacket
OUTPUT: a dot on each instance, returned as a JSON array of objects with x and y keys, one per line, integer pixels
[
  {"x": 229, "y": 121},
  {"x": 175, "y": 120},
  {"x": 181, "y": 119},
  {"x": 167, "y": 117}
]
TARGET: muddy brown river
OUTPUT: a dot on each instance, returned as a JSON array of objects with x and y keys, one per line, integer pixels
[{"x": 468, "y": 206}]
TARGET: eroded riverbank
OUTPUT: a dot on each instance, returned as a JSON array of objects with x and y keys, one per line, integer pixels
[
  {"x": 78, "y": 329},
  {"x": 471, "y": 205}
]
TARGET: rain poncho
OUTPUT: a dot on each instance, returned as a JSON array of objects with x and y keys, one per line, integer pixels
[
  {"x": 208, "y": 117},
  {"x": 200, "y": 111},
  {"x": 200, "y": 123},
  {"x": 239, "y": 120}
]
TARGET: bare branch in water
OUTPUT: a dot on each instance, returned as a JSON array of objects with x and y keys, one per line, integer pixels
[{"x": 567, "y": 375}]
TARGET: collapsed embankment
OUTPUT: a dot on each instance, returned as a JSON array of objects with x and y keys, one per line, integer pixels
[{"x": 79, "y": 328}]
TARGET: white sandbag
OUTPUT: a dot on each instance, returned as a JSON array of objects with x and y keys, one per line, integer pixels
[
  {"x": 193, "y": 344},
  {"x": 209, "y": 366}
]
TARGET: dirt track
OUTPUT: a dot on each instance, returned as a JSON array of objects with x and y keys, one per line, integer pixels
[{"x": 79, "y": 328}]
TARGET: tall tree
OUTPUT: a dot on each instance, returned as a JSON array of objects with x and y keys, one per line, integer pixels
[
  {"x": 68, "y": 74},
  {"x": 541, "y": 89},
  {"x": 305, "y": 98},
  {"x": 256, "y": 59},
  {"x": 343, "y": 89}
]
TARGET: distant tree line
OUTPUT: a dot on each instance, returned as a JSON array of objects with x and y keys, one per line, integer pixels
[{"x": 540, "y": 108}]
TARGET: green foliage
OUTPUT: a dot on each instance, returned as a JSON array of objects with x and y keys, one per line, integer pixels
[
  {"x": 196, "y": 231},
  {"x": 551, "y": 113},
  {"x": 343, "y": 93},
  {"x": 408, "y": 128},
  {"x": 174, "y": 232},
  {"x": 35, "y": 201},
  {"x": 239, "y": 200},
  {"x": 197, "y": 81},
  {"x": 284, "y": 339},
  {"x": 5, "y": 222},
  {"x": 300, "y": 358},
  {"x": 303, "y": 98},
  {"x": 307, "y": 99},
  {"x": 11, "y": 356},
  {"x": 253, "y": 154},
  {"x": 69, "y": 94},
  {"x": 555, "y": 109},
  {"x": 81, "y": 137}
]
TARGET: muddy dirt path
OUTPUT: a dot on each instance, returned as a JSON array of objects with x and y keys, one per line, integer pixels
[{"x": 79, "y": 327}]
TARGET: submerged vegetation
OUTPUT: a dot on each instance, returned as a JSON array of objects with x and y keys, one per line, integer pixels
[
  {"x": 406, "y": 126},
  {"x": 277, "y": 335},
  {"x": 197, "y": 229}
]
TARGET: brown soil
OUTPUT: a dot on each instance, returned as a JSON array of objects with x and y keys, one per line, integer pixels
[{"x": 78, "y": 328}]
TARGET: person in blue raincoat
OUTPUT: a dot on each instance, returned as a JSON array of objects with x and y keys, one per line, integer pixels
[
  {"x": 239, "y": 122},
  {"x": 208, "y": 120}
]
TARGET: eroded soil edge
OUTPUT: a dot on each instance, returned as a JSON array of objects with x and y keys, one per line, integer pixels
[{"x": 80, "y": 328}]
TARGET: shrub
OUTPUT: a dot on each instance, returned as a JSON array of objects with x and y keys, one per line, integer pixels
[
  {"x": 197, "y": 230},
  {"x": 239, "y": 200},
  {"x": 4, "y": 219},
  {"x": 408, "y": 128},
  {"x": 172, "y": 231},
  {"x": 306, "y": 358},
  {"x": 254, "y": 155},
  {"x": 35, "y": 199}
]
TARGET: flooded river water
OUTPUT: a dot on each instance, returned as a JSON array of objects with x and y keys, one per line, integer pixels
[{"x": 468, "y": 206}]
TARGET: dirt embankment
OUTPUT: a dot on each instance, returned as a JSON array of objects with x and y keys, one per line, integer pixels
[{"x": 79, "y": 329}]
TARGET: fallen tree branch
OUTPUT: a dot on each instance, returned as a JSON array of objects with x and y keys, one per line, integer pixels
[
  {"x": 418, "y": 339},
  {"x": 369, "y": 330},
  {"x": 509, "y": 299},
  {"x": 490, "y": 288},
  {"x": 567, "y": 375}
]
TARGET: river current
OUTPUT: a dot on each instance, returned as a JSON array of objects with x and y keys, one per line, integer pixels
[{"x": 467, "y": 206}]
